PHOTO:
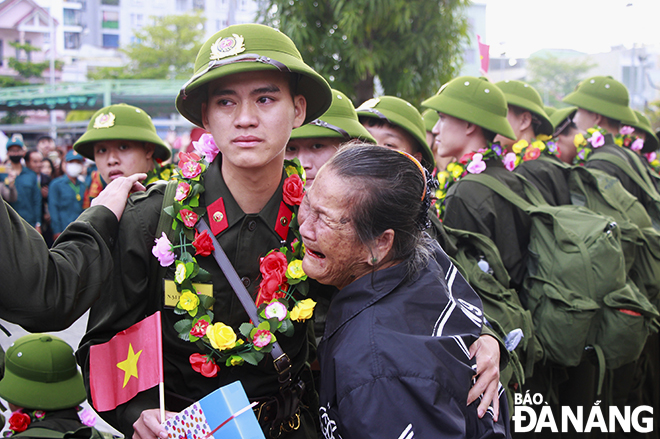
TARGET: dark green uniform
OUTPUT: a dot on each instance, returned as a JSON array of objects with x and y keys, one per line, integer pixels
[
  {"x": 473, "y": 207},
  {"x": 48, "y": 290},
  {"x": 551, "y": 180},
  {"x": 610, "y": 168},
  {"x": 56, "y": 423},
  {"x": 137, "y": 291}
]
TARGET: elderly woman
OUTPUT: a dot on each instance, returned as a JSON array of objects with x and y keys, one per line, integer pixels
[{"x": 394, "y": 357}]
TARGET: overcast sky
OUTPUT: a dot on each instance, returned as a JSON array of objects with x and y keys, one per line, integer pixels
[{"x": 521, "y": 27}]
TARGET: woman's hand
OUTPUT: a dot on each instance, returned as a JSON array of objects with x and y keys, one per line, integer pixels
[
  {"x": 487, "y": 352},
  {"x": 148, "y": 425}
]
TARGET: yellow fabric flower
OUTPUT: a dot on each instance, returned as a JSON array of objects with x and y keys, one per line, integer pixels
[
  {"x": 235, "y": 360},
  {"x": 221, "y": 336},
  {"x": 578, "y": 139},
  {"x": 303, "y": 310},
  {"x": 538, "y": 144},
  {"x": 180, "y": 274},
  {"x": 295, "y": 270},
  {"x": 290, "y": 170},
  {"x": 442, "y": 178},
  {"x": 618, "y": 141},
  {"x": 188, "y": 300},
  {"x": 519, "y": 146},
  {"x": 455, "y": 169},
  {"x": 543, "y": 137}
]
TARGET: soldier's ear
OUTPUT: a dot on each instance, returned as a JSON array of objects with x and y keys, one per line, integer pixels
[{"x": 300, "y": 110}]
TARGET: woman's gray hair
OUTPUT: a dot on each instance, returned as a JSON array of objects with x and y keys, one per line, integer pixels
[{"x": 390, "y": 191}]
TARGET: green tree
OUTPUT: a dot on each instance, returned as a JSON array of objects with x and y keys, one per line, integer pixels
[
  {"x": 164, "y": 50},
  {"x": 411, "y": 46},
  {"x": 28, "y": 69},
  {"x": 554, "y": 78}
]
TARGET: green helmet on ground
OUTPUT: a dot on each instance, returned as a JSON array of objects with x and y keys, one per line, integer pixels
[
  {"x": 246, "y": 48},
  {"x": 603, "y": 95},
  {"x": 402, "y": 114},
  {"x": 526, "y": 97},
  {"x": 41, "y": 373},
  {"x": 561, "y": 118},
  {"x": 340, "y": 120},
  {"x": 651, "y": 142},
  {"x": 430, "y": 117},
  {"x": 475, "y": 100},
  {"x": 121, "y": 122}
]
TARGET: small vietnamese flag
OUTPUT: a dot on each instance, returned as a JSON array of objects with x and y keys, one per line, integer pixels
[
  {"x": 132, "y": 361},
  {"x": 484, "y": 55}
]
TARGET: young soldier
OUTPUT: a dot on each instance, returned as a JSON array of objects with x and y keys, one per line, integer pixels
[
  {"x": 430, "y": 119},
  {"x": 250, "y": 89},
  {"x": 314, "y": 143},
  {"x": 644, "y": 131},
  {"x": 472, "y": 111},
  {"x": 395, "y": 123},
  {"x": 564, "y": 132},
  {"x": 122, "y": 141},
  {"x": 533, "y": 130}
]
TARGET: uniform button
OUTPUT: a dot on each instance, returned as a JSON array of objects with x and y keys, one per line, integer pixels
[
  {"x": 246, "y": 281},
  {"x": 252, "y": 224}
]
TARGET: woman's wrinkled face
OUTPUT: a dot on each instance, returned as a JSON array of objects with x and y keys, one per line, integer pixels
[{"x": 333, "y": 253}]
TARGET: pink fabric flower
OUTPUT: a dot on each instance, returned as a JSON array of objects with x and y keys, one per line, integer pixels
[
  {"x": 637, "y": 145},
  {"x": 597, "y": 139},
  {"x": 262, "y": 338},
  {"x": 276, "y": 309},
  {"x": 199, "y": 328},
  {"x": 206, "y": 147},
  {"x": 627, "y": 130},
  {"x": 651, "y": 156},
  {"x": 477, "y": 165},
  {"x": 188, "y": 217},
  {"x": 509, "y": 161},
  {"x": 182, "y": 191},
  {"x": 190, "y": 169},
  {"x": 87, "y": 417},
  {"x": 163, "y": 251}
]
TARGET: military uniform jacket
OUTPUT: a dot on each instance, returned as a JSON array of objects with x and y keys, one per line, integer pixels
[
  {"x": 137, "y": 292},
  {"x": 394, "y": 357},
  {"x": 64, "y": 203},
  {"x": 551, "y": 180},
  {"x": 28, "y": 200},
  {"x": 47, "y": 290},
  {"x": 474, "y": 207}
]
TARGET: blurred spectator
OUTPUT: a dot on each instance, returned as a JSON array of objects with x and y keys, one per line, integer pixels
[
  {"x": 34, "y": 160},
  {"x": 24, "y": 179},
  {"x": 45, "y": 144},
  {"x": 66, "y": 194},
  {"x": 47, "y": 167}
]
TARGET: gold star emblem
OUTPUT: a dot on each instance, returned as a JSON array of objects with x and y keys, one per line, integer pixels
[{"x": 129, "y": 365}]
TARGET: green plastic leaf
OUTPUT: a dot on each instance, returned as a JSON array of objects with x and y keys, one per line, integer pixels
[
  {"x": 245, "y": 329},
  {"x": 184, "y": 325}
]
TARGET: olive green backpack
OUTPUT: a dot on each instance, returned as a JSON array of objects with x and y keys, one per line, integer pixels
[{"x": 576, "y": 285}]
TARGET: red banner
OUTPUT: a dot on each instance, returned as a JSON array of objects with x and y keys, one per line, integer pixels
[{"x": 484, "y": 55}]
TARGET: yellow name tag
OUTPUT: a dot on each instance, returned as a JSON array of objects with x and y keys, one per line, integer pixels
[{"x": 172, "y": 295}]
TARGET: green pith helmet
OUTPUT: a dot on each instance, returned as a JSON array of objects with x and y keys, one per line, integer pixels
[
  {"x": 475, "y": 100},
  {"x": 400, "y": 113},
  {"x": 41, "y": 374},
  {"x": 549, "y": 110},
  {"x": 430, "y": 117},
  {"x": 603, "y": 95},
  {"x": 340, "y": 120},
  {"x": 120, "y": 122},
  {"x": 526, "y": 97},
  {"x": 561, "y": 118},
  {"x": 651, "y": 142},
  {"x": 247, "y": 48}
]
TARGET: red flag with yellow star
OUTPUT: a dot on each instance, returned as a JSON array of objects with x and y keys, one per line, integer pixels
[{"x": 132, "y": 361}]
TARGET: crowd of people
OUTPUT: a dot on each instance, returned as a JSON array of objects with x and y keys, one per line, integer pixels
[{"x": 360, "y": 214}]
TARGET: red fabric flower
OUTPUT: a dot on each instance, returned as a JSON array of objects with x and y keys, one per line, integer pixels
[
  {"x": 188, "y": 217},
  {"x": 273, "y": 271},
  {"x": 19, "y": 422},
  {"x": 532, "y": 154},
  {"x": 203, "y": 243},
  {"x": 466, "y": 158},
  {"x": 293, "y": 190},
  {"x": 199, "y": 329},
  {"x": 202, "y": 364}
]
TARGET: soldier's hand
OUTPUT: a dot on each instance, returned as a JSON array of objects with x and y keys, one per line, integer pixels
[
  {"x": 115, "y": 194},
  {"x": 487, "y": 352},
  {"x": 148, "y": 425}
]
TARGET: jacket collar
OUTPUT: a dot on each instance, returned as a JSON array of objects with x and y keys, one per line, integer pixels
[{"x": 360, "y": 295}]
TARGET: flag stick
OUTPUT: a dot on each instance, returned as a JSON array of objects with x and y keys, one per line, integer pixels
[{"x": 161, "y": 394}]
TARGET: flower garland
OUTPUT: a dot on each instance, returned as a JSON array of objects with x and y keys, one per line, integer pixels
[
  {"x": 20, "y": 420},
  {"x": 523, "y": 151},
  {"x": 472, "y": 163},
  {"x": 281, "y": 271},
  {"x": 626, "y": 139},
  {"x": 585, "y": 145},
  {"x": 159, "y": 172}
]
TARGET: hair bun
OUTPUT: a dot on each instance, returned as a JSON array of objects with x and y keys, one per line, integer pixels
[{"x": 423, "y": 222}]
